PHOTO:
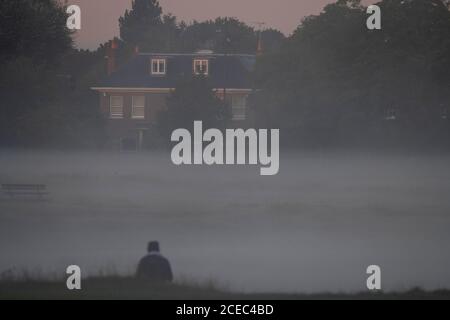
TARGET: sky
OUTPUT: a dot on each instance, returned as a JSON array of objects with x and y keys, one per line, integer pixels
[{"x": 100, "y": 17}]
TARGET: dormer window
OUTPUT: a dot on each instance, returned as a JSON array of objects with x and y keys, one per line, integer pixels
[
  {"x": 201, "y": 66},
  {"x": 158, "y": 67}
]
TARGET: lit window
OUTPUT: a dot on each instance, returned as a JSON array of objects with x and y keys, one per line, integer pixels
[
  {"x": 158, "y": 66},
  {"x": 201, "y": 66},
  {"x": 116, "y": 107},
  {"x": 138, "y": 107},
  {"x": 238, "y": 107}
]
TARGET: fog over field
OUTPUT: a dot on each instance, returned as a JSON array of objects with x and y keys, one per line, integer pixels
[{"x": 314, "y": 227}]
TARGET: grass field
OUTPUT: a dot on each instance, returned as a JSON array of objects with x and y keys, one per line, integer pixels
[
  {"x": 314, "y": 227},
  {"x": 129, "y": 288}
]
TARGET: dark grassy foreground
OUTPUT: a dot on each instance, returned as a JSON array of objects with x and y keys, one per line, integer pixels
[{"x": 129, "y": 288}]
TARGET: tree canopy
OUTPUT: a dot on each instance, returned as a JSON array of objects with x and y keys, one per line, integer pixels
[
  {"x": 146, "y": 26},
  {"x": 43, "y": 102},
  {"x": 335, "y": 80},
  {"x": 35, "y": 29},
  {"x": 193, "y": 99}
]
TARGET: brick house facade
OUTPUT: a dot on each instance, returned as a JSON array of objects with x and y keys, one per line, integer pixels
[{"x": 132, "y": 96}]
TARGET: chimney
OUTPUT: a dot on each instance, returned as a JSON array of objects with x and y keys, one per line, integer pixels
[
  {"x": 111, "y": 57},
  {"x": 259, "y": 49}
]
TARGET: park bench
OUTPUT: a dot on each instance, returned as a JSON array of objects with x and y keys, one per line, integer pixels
[{"x": 12, "y": 190}]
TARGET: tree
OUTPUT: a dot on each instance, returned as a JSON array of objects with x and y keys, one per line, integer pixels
[
  {"x": 272, "y": 40},
  {"x": 135, "y": 24},
  {"x": 222, "y": 35},
  {"x": 34, "y": 29},
  {"x": 44, "y": 89},
  {"x": 334, "y": 80},
  {"x": 146, "y": 26},
  {"x": 193, "y": 99}
]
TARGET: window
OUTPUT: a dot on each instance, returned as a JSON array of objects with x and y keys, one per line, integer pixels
[
  {"x": 138, "y": 107},
  {"x": 159, "y": 66},
  {"x": 201, "y": 66},
  {"x": 444, "y": 115},
  {"x": 391, "y": 114},
  {"x": 238, "y": 107},
  {"x": 116, "y": 107}
]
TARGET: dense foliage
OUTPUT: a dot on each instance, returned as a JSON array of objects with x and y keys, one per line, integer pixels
[
  {"x": 41, "y": 105},
  {"x": 193, "y": 99},
  {"x": 335, "y": 82},
  {"x": 147, "y": 27}
]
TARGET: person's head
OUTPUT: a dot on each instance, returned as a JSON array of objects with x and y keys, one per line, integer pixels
[{"x": 153, "y": 246}]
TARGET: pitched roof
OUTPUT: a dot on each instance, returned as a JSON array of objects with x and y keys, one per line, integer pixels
[{"x": 225, "y": 71}]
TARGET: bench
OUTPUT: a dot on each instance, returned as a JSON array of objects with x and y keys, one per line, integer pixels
[{"x": 12, "y": 190}]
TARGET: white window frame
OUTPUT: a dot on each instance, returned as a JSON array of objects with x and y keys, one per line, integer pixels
[
  {"x": 159, "y": 62},
  {"x": 134, "y": 107},
  {"x": 115, "y": 114},
  {"x": 201, "y": 62},
  {"x": 241, "y": 115}
]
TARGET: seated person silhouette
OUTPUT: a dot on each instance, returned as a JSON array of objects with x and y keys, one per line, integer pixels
[{"x": 154, "y": 266}]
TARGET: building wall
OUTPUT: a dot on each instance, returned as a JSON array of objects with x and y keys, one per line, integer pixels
[
  {"x": 128, "y": 128},
  {"x": 154, "y": 103}
]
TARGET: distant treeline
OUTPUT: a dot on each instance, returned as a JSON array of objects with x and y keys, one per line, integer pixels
[
  {"x": 332, "y": 82},
  {"x": 336, "y": 83},
  {"x": 107, "y": 287}
]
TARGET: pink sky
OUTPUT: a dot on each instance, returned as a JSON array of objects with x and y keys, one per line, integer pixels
[{"x": 100, "y": 17}]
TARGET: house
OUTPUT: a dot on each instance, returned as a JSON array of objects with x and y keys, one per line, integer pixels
[{"x": 132, "y": 96}]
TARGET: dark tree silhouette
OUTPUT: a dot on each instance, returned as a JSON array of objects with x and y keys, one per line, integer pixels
[
  {"x": 335, "y": 81},
  {"x": 193, "y": 99},
  {"x": 46, "y": 99}
]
